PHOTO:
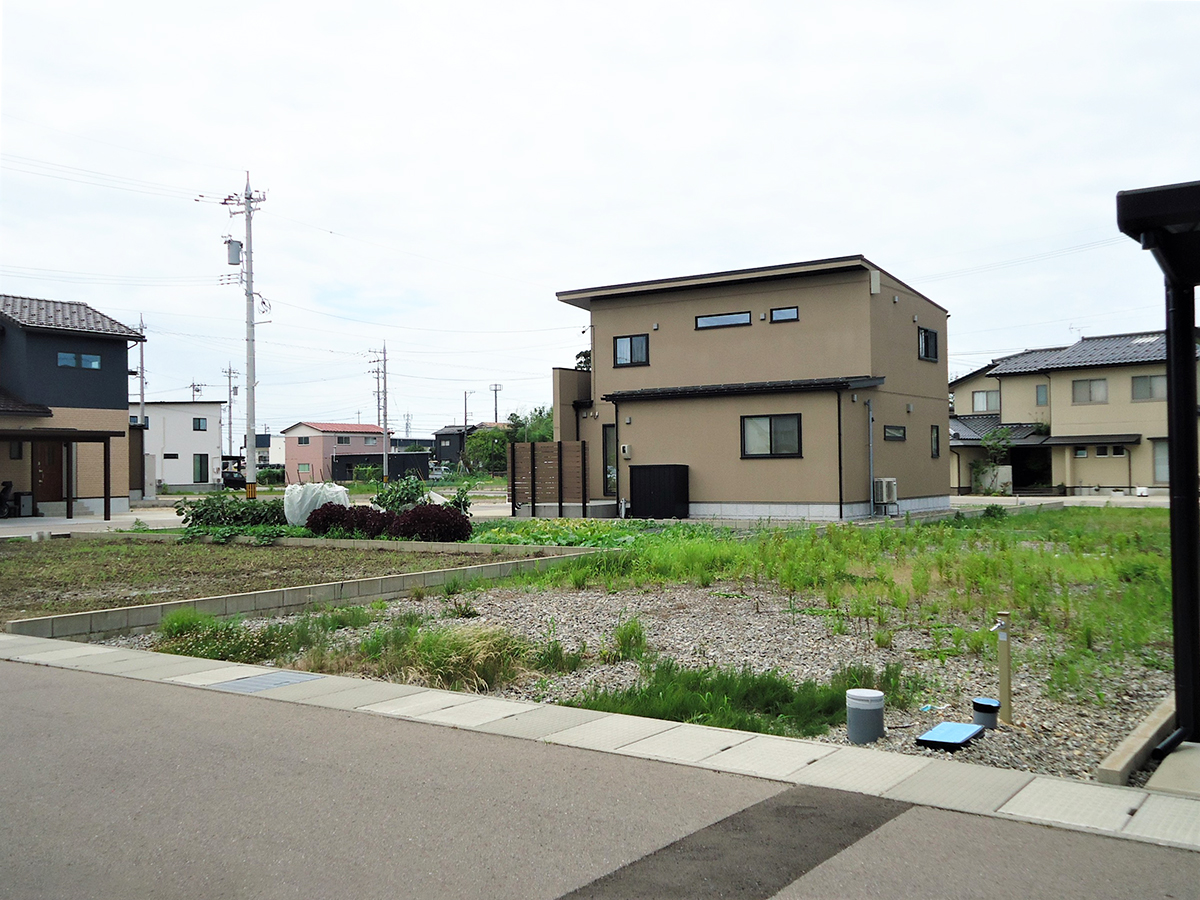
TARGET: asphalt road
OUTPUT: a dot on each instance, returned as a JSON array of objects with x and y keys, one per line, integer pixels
[{"x": 117, "y": 788}]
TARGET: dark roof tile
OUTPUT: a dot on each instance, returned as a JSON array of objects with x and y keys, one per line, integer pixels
[{"x": 63, "y": 315}]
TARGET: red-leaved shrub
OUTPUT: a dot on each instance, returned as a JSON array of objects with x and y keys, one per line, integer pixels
[{"x": 429, "y": 522}]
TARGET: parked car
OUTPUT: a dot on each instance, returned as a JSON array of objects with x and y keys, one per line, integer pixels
[{"x": 233, "y": 480}]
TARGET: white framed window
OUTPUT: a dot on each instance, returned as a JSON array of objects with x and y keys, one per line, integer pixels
[
  {"x": 631, "y": 350},
  {"x": 1162, "y": 463},
  {"x": 771, "y": 436},
  {"x": 1042, "y": 394},
  {"x": 723, "y": 320},
  {"x": 1118, "y": 450},
  {"x": 985, "y": 401},
  {"x": 304, "y": 468},
  {"x": 1102, "y": 450},
  {"x": 370, "y": 440},
  {"x": 1089, "y": 390},
  {"x": 1081, "y": 452},
  {"x": 1149, "y": 387}
]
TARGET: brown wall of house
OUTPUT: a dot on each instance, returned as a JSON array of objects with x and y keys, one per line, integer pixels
[
  {"x": 89, "y": 466},
  {"x": 569, "y": 385},
  {"x": 830, "y": 339}
]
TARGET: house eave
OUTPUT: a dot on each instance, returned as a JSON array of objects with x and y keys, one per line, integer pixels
[{"x": 693, "y": 392}]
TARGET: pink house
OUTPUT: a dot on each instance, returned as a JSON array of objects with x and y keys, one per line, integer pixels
[{"x": 311, "y": 447}]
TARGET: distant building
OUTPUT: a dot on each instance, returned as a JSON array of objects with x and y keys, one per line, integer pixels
[
  {"x": 182, "y": 442},
  {"x": 1081, "y": 419},
  {"x": 311, "y": 448}
]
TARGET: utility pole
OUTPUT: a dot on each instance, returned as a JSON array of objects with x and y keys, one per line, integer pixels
[
  {"x": 197, "y": 389},
  {"x": 246, "y": 203},
  {"x": 229, "y": 373},
  {"x": 407, "y": 425},
  {"x": 382, "y": 405},
  {"x": 142, "y": 374},
  {"x": 464, "y": 438},
  {"x": 495, "y": 389}
]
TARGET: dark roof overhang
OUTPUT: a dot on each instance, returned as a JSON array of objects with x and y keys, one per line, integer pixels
[
  {"x": 1060, "y": 440},
  {"x": 57, "y": 434},
  {"x": 691, "y": 392}
]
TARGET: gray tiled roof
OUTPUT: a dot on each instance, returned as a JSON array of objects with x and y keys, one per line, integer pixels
[
  {"x": 978, "y": 426},
  {"x": 12, "y": 405},
  {"x": 63, "y": 315},
  {"x": 1104, "y": 350}
]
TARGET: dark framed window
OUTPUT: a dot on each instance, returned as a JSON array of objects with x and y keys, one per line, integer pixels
[
  {"x": 723, "y": 320},
  {"x": 771, "y": 436},
  {"x": 927, "y": 347},
  {"x": 89, "y": 361},
  {"x": 895, "y": 433},
  {"x": 1081, "y": 452},
  {"x": 170, "y": 456},
  {"x": 785, "y": 314},
  {"x": 1149, "y": 387},
  {"x": 609, "y": 440},
  {"x": 343, "y": 438},
  {"x": 15, "y": 449},
  {"x": 68, "y": 360},
  {"x": 200, "y": 424},
  {"x": 1043, "y": 395},
  {"x": 935, "y": 441},
  {"x": 1162, "y": 462},
  {"x": 1102, "y": 450},
  {"x": 199, "y": 468},
  {"x": 304, "y": 440},
  {"x": 631, "y": 350}
]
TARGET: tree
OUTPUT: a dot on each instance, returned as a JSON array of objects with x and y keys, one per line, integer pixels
[
  {"x": 487, "y": 450},
  {"x": 583, "y": 360},
  {"x": 536, "y": 425}
]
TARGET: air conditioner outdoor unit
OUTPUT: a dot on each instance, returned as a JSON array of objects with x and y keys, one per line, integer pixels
[{"x": 885, "y": 490}]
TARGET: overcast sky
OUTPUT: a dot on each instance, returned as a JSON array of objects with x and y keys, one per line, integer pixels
[{"x": 434, "y": 172}]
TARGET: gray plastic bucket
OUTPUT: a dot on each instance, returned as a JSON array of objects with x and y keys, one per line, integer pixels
[
  {"x": 985, "y": 711},
  {"x": 864, "y": 715}
]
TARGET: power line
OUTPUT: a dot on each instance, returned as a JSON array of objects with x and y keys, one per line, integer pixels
[{"x": 1024, "y": 260}]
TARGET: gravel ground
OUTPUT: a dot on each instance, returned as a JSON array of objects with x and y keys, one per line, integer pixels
[{"x": 732, "y": 625}]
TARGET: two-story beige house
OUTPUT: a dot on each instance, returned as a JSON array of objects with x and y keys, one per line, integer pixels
[
  {"x": 1084, "y": 418},
  {"x": 784, "y": 391}
]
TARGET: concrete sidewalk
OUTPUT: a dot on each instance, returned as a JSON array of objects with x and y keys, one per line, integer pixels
[{"x": 139, "y": 774}]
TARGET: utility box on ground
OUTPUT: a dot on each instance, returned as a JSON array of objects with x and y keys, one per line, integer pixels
[{"x": 658, "y": 492}]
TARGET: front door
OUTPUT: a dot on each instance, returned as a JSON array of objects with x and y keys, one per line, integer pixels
[{"x": 47, "y": 472}]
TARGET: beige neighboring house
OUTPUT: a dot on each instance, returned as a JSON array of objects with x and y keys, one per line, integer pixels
[
  {"x": 1083, "y": 419},
  {"x": 311, "y": 447},
  {"x": 759, "y": 381}
]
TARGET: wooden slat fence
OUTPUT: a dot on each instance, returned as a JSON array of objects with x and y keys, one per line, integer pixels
[{"x": 547, "y": 473}]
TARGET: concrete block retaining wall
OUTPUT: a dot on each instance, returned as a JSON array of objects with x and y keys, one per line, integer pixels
[{"x": 99, "y": 624}]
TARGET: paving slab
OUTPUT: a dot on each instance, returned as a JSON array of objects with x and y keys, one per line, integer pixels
[
  {"x": 366, "y": 692},
  {"x": 1179, "y": 773},
  {"x": 216, "y": 675},
  {"x": 158, "y": 667},
  {"x": 1075, "y": 803},
  {"x": 861, "y": 770},
  {"x": 308, "y": 690},
  {"x": 115, "y": 664},
  {"x": 1172, "y": 819},
  {"x": 478, "y": 712},
  {"x": 256, "y": 683},
  {"x": 610, "y": 732},
  {"x": 417, "y": 704},
  {"x": 687, "y": 743},
  {"x": 64, "y": 653},
  {"x": 541, "y": 721},
  {"x": 13, "y": 645},
  {"x": 962, "y": 787},
  {"x": 767, "y": 757},
  {"x": 95, "y": 662}
]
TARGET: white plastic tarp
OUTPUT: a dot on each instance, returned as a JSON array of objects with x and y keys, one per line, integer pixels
[{"x": 301, "y": 499}]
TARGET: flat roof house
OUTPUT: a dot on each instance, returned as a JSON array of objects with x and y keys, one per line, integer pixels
[
  {"x": 1084, "y": 418},
  {"x": 184, "y": 439},
  {"x": 64, "y": 384},
  {"x": 783, "y": 390}
]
